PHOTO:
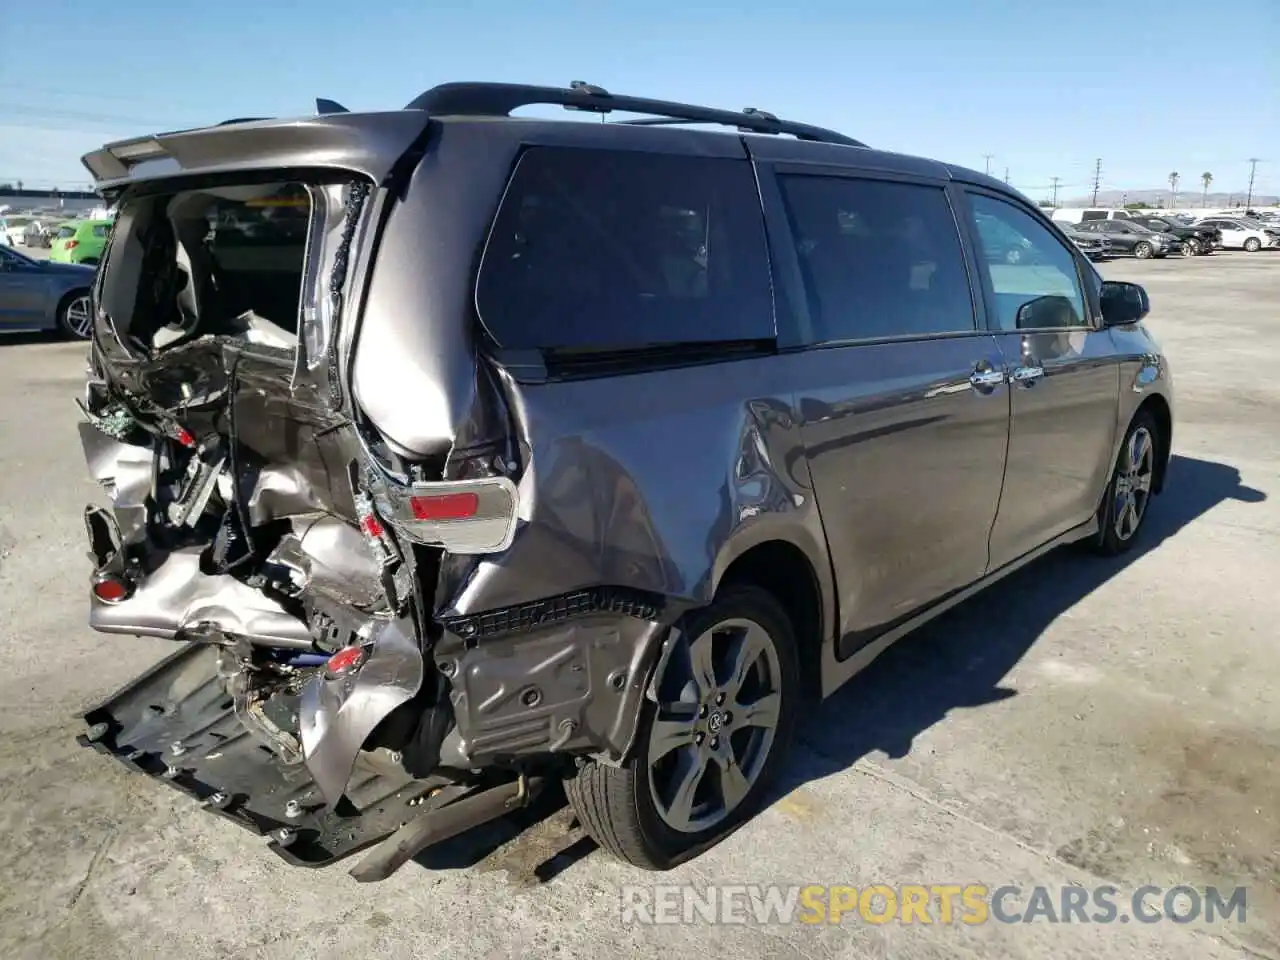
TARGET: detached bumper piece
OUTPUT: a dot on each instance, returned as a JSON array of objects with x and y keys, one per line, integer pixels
[{"x": 176, "y": 723}]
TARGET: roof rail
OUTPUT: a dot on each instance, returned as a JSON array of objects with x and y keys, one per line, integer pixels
[{"x": 500, "y": 99}]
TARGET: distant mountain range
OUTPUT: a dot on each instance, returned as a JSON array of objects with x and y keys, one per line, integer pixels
[{"x": 1191, "y": 197}]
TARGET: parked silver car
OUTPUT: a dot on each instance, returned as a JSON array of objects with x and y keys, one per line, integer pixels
[{"x": 467, "y": 453}]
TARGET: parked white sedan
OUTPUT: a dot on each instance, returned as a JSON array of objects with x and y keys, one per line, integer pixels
[{"x": 1239, "y": 235}]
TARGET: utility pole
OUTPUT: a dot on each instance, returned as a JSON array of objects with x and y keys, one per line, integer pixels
[
  {"x": 1097, "y": 179},
  {"x": 987, "y": 157},
  {"x": 1006, "y": 174},
  {"x": 1253, "y": 167},
  {"x": 1055, "y": 181}
]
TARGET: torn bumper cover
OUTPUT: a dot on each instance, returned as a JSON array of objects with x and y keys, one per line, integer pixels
[{"x": 342, "y": 705}]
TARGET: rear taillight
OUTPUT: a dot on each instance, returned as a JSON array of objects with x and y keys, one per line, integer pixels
[
  {"x": 71, "y": 245},
  {"x": 445, "y": 506},
  {"x": 462, "y": 516}
]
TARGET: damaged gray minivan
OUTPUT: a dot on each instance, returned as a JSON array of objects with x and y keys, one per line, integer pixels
[{"x": 465, "y": 453}]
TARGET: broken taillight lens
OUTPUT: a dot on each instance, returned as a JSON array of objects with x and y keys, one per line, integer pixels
[{"x": 344, "y": 661}]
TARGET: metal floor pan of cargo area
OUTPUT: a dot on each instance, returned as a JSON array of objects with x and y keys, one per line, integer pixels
[{"x": 175, "y": 723}]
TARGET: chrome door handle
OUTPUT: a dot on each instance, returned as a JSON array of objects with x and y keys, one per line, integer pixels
[
  {"x": 1026, "y": 375},
  {"x": 986, "y": 379}
]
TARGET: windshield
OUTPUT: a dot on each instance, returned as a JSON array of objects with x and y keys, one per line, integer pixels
[{"x": 9, "y": 257}]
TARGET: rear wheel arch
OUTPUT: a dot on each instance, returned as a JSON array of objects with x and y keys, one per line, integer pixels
[{"x": 783, "y": 570}]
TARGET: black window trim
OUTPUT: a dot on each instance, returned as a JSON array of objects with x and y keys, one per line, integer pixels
[
  {"x": 795, "y": 329},
  {"x": 1077, "y": 257}
]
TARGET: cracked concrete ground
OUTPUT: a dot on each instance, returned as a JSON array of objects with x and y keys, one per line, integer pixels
[{"x": 1085, "y": 722}]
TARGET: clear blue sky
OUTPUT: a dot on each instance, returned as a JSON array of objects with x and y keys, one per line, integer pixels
[{"x": 1150, "y": 86}]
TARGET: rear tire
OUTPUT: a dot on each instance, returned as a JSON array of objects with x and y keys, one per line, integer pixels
[
  {"x": 1190, "y": 248},
  {"x": 700, "y": 731},
  {"x": 1142, "y": 250},
  {"x": 1252, "y": 245},
  {"x": 1126, "y": 500}
]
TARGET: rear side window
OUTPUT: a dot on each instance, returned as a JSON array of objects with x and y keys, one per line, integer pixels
[
  {"x": 1093, "y": 215},
  {"x": 65, "y": 233},
  {"x": 100, "y": 230},
  {"x": 879, "y": 258},
  {"x": 606, "y": 249}
]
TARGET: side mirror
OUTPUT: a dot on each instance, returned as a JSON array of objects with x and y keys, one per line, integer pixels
[
  {"x": 1047, "y": 312},
  {"x": 1123, "y": 303}
]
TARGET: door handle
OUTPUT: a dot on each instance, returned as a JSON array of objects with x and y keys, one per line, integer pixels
[
  {"x": 1027, "y": 375},
  {"x": 986, "y": 379}
]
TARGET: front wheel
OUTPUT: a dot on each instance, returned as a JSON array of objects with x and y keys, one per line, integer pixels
[
  {"x": 1190, "y": 248},
  {"x": 1143, "y": 250},
  {"x": 707, "y": 750},
  {"x": 1252, "y": 245},
  {"x": 1124, "y": 504}
]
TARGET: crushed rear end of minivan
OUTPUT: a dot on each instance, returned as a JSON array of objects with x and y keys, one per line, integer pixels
[{"x": 257, "y": 515}]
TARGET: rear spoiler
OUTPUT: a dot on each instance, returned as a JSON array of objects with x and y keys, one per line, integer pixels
[{"x": 365, "y": 143}]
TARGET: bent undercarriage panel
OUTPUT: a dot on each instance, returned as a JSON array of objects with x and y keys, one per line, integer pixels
[{"x": 177, "y": 724}]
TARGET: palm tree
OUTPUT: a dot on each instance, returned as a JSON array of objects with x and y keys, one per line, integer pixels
[
  {"x": 1173, "y": 185},
  {"x": 1206, "y": 178}
]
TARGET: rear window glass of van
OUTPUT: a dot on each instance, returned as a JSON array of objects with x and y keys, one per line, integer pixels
[
  {"x": 65, "y": 233},
  {"x": 608, "y": 249}
]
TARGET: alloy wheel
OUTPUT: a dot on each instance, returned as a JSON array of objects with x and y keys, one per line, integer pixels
[
  {"x": 1133, "y": 484},
  {"x": 79, "y": 317},
  {"x": 720, "y": 705}
]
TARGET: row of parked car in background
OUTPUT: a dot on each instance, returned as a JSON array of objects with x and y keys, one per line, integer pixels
[
  {"x": 68, "y": 241},
  {"x": 1101, "y": 233}
]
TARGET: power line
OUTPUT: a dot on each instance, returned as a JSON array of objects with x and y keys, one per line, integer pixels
[{"x": 85, "y": 116}]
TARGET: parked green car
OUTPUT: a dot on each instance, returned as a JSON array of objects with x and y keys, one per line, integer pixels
[{"x": 80, "y": 241}]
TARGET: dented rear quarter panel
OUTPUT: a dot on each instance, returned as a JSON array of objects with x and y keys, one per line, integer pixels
[{"x": 657, "y": 481}]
